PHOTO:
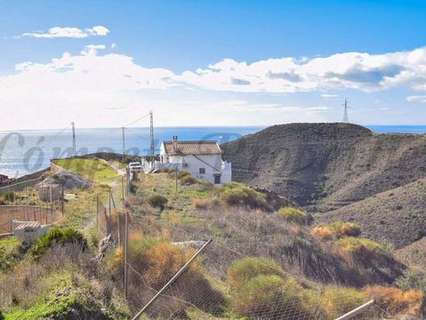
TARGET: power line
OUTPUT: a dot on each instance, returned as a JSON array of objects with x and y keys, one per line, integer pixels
[{"x": 137, "y": 120}]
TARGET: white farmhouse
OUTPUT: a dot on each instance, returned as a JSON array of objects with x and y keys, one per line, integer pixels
[{"x": 203, "y": 159}]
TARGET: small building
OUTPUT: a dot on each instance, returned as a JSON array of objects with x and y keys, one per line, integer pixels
[
  {"x": 3, "y": 178},
  {"x": 202, "y": 159}
]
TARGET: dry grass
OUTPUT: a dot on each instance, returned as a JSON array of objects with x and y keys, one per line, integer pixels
[
  {"x": 154, "y": 262},
  {"x": 396, "y": 301},
  {"x": 336, "y": 230},
  {"x": 205, "y": 203}
]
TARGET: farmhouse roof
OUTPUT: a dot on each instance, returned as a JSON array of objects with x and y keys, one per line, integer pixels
[{"x": 200, "y": 147}]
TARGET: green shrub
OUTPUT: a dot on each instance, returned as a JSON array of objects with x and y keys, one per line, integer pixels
[
  {"x": 245, "y": 269},
  {"x": 1, "y": 316},
  {"x": 353, "y": 244},
  {"x": 337, "y": 229},
  {"x": 295, "y": 215},
  {"x": 8, "y": 196},
  {"x": 157, "y": 201},
  {"x": 268, "y": 295},
  {"x": 60, "y": 236},
  {"x": 237, "y": 194}
]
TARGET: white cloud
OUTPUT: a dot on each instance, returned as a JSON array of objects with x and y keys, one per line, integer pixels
[
  {"x": 351, "y": 70},
  {"x": 68, "y": 32},
  {"x": 94, "y": 86},
  {"x": 92, "y": 49},
  {"x": 420, "y": 99},
  {"x": 329, "y": 96}
]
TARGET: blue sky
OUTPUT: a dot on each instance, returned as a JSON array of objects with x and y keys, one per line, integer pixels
[{"x": 212, "y": 62}]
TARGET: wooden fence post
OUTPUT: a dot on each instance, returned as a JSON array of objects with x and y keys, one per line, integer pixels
[
  {"x": 97, "y": 213},
  {"x": 62, "y": 200},
  {"x": 126, "y": 241}
]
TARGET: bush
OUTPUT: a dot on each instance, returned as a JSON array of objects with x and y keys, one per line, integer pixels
[
  {"x": 182, "y": 174},
  {"x": 7, "y": 196},
  {"x": 204, "y": 204},
  {"x": 157, "y": 201},
  {"x": 156, "y": 261},
  {"x": 336, "y": 301},
  {"x": 260, "y": 295},
  {"x": 322, "y": 232},
  {"x": 352, "y": 244},
  {"x": 396, "y": 301},
  {"x": 295, "y": 215},
  {"x": 237, "y": 194},
  {"x": 188, "y": 180},
  {"x": 245, "y": 269},
  {"x": 337, "y": 229},
  {"x": 60, "y": 236}
]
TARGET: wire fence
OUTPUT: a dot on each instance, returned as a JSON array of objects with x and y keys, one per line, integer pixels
[
  {"x": 198, "y": 293},
  {"x": 43, "y": 215}
]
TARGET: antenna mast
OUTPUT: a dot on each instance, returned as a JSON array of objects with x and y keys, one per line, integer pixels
[
  {"x": 74, "y": 144},
  {"x": 151, "y": 133},
  {"x": 345, "y": 112}
]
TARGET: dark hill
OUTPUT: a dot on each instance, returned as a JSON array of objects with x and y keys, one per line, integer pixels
[
  {"x": 324, "y": 166},
  {"x": 397, "y": 216}
]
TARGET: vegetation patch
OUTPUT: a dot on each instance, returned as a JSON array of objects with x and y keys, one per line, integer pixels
[
  {"x": 396, "y": 301},
  {"x": 157, "y": 201},
  {"x": 294, "y": 215},
  {"x": 155, "y": 262},
  {"x": 238, "y": 194},
  {"x": 205, "y": 203},
  {"x": 337, "y": 230},
  {"x": 354, "y": 245},
  {"x": 57, "y": 235},
  {"x": 260, "y": 287},
  {"x": 8, "y": 252},
  {"x": 65, "y": 296},
  {"x": 245, "y": 269},
  {"x": 188, "y": 180},
  {"x": 95, "y": 170}
]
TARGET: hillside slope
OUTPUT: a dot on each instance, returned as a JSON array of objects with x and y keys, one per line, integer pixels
[
  {"x": 396, "y": 216},
  {"x": 325, "y": 166}
]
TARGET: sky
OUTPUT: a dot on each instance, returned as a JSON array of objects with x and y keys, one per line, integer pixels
[{"x": 211, "y": 63}]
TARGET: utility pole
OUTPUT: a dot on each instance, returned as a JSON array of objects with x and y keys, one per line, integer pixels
[
  {"x": 126, "y": 241},
  {"x": 151, "y": 133},
  {"x": 74, "y": 144},
  {"x": 345, "y": 112},
  {"x": 123, "y": 135}
]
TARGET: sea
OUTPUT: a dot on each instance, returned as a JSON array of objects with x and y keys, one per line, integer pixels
[{"x": 26, "y": 151}]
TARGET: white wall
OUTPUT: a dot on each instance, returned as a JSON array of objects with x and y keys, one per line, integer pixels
[{"x": 212, "y": 164}]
